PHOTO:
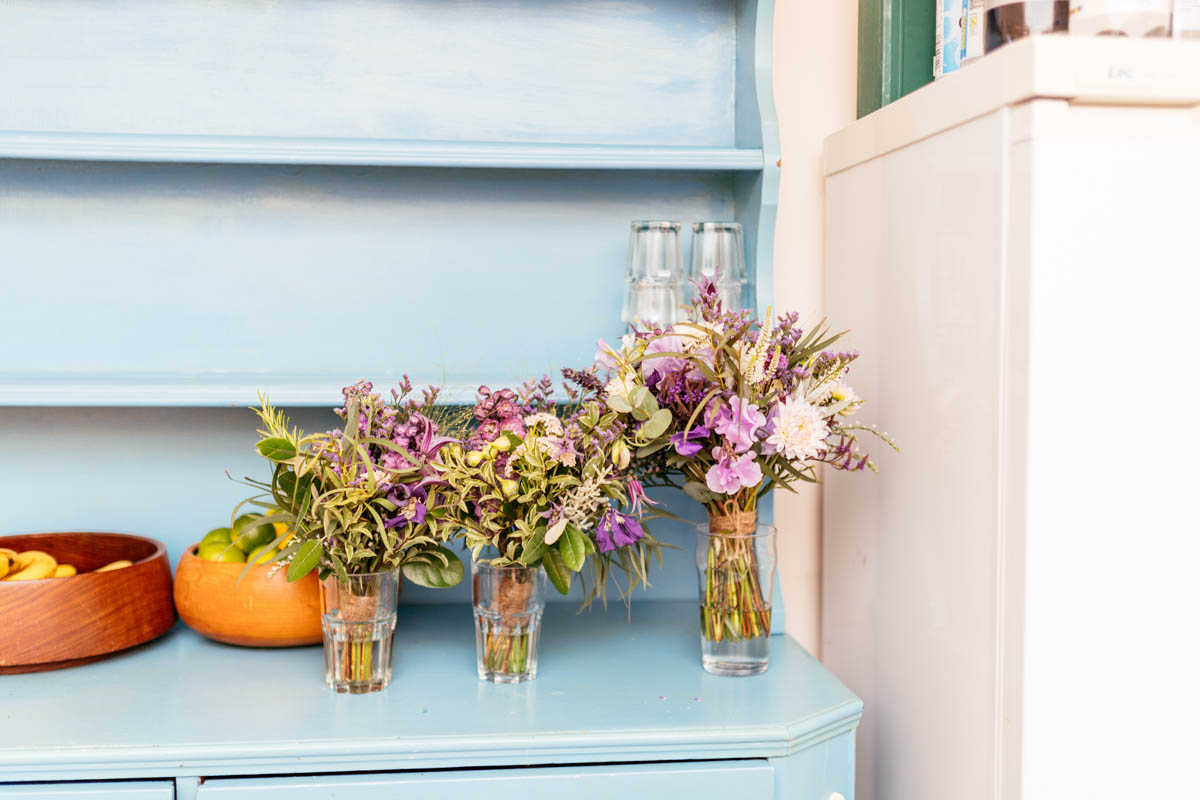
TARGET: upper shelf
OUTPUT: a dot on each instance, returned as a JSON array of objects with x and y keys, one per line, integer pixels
[{"x": 369, "y": 152}]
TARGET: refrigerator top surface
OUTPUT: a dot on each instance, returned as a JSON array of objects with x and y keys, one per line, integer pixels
[{"x": 1096, "y": 71}]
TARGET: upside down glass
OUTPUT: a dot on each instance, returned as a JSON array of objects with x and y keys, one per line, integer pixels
[
  {"x": 508, "y": 619},
  {"x": 358, "y": 622},
  {"x": 718, "y": 253},
  {"x": 737, "y": 575}
]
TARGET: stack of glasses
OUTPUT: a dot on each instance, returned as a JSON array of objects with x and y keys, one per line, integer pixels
[{"x": 655, "y": 287}]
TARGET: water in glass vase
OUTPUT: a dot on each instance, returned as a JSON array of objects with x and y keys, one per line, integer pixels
[
  {"x": 358, "y": 655},
  {"x": 507, "y": 647},
  {"x": 736, "y": 565}
]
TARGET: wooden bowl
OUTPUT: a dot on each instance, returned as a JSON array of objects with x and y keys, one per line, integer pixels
[
  {"x": 61, "y": 622},
  {"x": 260, "y": 610}
]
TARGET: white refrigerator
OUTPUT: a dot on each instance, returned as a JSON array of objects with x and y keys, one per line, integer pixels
[{"x": 1016, "y": 597}]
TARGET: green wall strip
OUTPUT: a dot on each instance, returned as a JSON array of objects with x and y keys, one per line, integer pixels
[{"x": 895, "y": 50}]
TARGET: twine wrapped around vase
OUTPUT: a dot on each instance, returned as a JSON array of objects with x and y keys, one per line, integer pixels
[
  {"x": 358, "y": 609},
  {"x": 512, "y": 597},
  {"x": 740, "y": 523}
]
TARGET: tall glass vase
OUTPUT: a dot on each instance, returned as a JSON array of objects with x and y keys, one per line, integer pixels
[
  {"x": 508, "y": 619},
  {"x": 358, "y": 621},
  {"x": 735, "y": 557}
]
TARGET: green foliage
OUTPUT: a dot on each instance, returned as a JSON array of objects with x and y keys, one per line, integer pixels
[{"x": 334, "y": 494}]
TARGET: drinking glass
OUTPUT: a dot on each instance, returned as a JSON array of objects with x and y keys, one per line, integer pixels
[
  {"x": 655, "y": 252},
  {"x": 358, "y": 621},
  {"x": 718, "y": 253},
  {"x": 508, "y": 620}
]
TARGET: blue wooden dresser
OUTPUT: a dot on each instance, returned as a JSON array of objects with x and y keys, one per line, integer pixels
[
  {"x": 200, "y": 200},
  {"x": 620, "y": 709}
]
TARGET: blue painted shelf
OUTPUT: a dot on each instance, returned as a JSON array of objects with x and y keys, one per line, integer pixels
[
  {"x": 370, "y": 152},
  {"x": 201, "y": 201}
]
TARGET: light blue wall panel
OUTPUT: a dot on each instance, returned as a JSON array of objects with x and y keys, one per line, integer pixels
[
  {"x": 160, "y": 472},
  {"x": 300, "y": 279},
  {"x": 640, "y": 71}
]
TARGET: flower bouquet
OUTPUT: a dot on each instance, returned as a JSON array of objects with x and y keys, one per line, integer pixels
[
  {"x": 754, "y": 405},
  {"x": 364, "y": 504},
  {"x": 540, "y": 490}
]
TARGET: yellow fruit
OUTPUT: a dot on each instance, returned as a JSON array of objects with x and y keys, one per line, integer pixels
[
  {"x": 8, "y": 561},
  {"x": 122, "y": 564},
  {"x": 32, "y": 565},
  {"x": 64, "y": 571},
  {"x": 262, "y": 555},
  {"x": 281, "y": 529}
]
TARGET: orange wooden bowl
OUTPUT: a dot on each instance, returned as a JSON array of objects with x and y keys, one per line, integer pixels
[
  {"x": 61, "y": 622},
  {"x": 260, "y": 610}
]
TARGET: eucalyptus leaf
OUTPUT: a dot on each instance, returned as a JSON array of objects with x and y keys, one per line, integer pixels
[
  {"x": 638, "y": 397},
  {"x": 698, "y": 492},
  {"x": 308, "y": 555},
  {"x": 657, "y": 425},
  {"x": 618, "y": 404}
]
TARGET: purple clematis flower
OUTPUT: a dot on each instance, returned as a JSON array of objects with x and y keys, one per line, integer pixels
[
  {"x": 731, "y": 473},
  {"x": 617, "y": 530},
  {"x": 690, "y": 443},
  {"x": 411, "y": 506},
  {"x": 738, "y": 422}
]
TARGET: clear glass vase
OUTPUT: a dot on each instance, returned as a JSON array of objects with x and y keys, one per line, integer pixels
[
  {"x": 508, "y": 619},
  {"x": 358, "y": 621},
  {"x": 736, "y": 560}
]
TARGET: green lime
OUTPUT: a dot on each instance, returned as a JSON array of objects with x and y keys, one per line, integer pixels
[
  {"x": 221, "y": 551},
  {"x": 249, "y": 534},
  {"x": 216, "y": 535},
  {"x": 263, "y": 554}
]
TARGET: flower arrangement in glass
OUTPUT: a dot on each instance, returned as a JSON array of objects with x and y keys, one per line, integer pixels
[
  {"x": 364, "y": 504},
  {"x": 542, "y": 489},
  {"x": 755, "y": 405}
]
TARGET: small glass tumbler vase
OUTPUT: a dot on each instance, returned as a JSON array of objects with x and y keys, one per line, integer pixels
[
  {"x": 358, "y": 621},
  {"x": 508, "y": 620},
  {"x": 736, "y": 560}
]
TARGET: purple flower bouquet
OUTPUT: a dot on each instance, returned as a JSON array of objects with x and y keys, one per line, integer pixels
[{"x": 754, "y": 406}]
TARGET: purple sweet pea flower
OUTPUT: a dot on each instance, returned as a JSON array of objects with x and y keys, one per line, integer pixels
[
  {"x": 738, "y": 422},
  {"x": 604, "y": 355},
  {"x": 659, "y": 366},
  {"x": 689, "y": 444},
  {"x": 731, "y": 473}
]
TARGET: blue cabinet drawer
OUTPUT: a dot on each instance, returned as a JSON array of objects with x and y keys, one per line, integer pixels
[
  {"x": 747, "y": 780},
  {"x": 108, "y": 790}
]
